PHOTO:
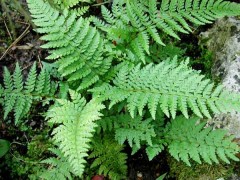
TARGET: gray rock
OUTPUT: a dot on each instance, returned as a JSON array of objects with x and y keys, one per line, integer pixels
[{"x": 223, "y": 39}]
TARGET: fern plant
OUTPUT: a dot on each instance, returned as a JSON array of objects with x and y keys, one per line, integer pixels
[
  {"x": 108, "y": 157},
  {"x": 18, "y": 95},
  {"x": 105, "y": 60}
]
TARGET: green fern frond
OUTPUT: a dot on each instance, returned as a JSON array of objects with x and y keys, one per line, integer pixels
[
  {"x": 169, "y": 86},
  {"x": 58, "y": 167},
  {"x": 19, "y": 96},
  {"x": 108, "y": 157},
  {"x": 188, "y": 140},
  {"x": 76, "y": 120},
  {"x": 76, "y": 44},
  {"x": 159, "y": 53},
  {"x": 155, "y": 149},
  {"x": 134, "y": 130},
  {"x": 81, "y": 11}
]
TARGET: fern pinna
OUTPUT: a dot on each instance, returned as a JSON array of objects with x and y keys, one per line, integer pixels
[
  {"x": 19, "y": 96},
  {"x": 77, "y": 45}
]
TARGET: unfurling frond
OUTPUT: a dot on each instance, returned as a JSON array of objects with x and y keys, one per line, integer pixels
[
  {"x": 188, "y": 140},
  {"x": 76, "y": 120},
  {"x": 169, "y": 86}
]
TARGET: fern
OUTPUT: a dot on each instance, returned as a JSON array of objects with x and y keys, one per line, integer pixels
[
  {"x": 19, "y": 96},
  {"x": 111, "y": 161},
  {"x": 132, "y": 23},
  {"x": 78, "y": 46},
  {"x": 160, "y": 53},
  {"x": 186, "y": 141},
  {"x": 76, "y": 126},
  {"x": 70, "y": 3},
  {"x": 102, "y": 54},
  {"x": 134, "y": 130},
  {"x": 171, "y": 87},
  {"x": 58, "y": 167}
]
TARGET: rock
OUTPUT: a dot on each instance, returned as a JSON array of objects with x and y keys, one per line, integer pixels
[{"x": 223, "y": 40}]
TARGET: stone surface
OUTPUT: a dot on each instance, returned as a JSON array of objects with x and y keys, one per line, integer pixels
[{"x": 223, "y": 39}]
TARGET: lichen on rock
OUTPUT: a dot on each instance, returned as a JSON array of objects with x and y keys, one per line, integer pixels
[{"x": 223, "y": 40}]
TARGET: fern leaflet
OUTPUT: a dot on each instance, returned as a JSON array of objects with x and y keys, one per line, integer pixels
[{"x": 59, "y": 167}]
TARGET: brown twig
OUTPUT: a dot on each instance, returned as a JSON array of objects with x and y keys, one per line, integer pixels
[
  {"x": 40, "y": 63},
  {"x": 7, "y": 29},
  {"x": 15, "y": 42},
  {"x": 99, "y": 3}
]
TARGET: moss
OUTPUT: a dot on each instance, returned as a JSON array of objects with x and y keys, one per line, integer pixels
[
  {"x": 203, "y": 171},
  {"x": 22, "y": 164}
]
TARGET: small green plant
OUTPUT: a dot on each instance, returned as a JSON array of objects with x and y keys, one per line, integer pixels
[
  {"x": 4, "y": 147},
  {"x": 117, "y": 93}
]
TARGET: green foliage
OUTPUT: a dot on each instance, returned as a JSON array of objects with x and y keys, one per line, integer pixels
[
  {"x": 188, "y": 140},
  {"x": 76, "y": 123},
  {"x": 18, "y": 95},
  {"x": 59, "y": 167},
  {"x": 77, "y": 45},
  {"x": 70, "y": 3},
  {"x": 24, "y": 160},
  {"x": 133, "y": 23},
  {"x": 168, "y": 85},
  {"x": 160, "y": 53},
  {"x": 134, "y": 130},
  {"x": 114, "y": 61},
  {"x": 108, "y": 157},
  {"x": 4, "y": 147}
]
